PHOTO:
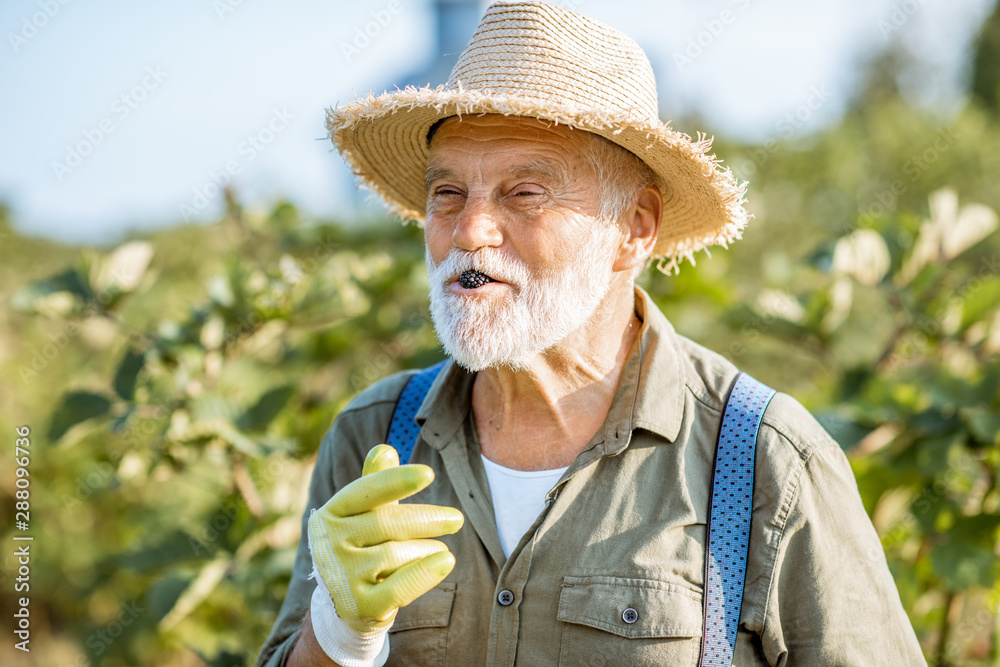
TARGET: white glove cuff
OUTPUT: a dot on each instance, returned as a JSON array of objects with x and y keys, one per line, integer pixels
[{"x": 345, "y": 645}]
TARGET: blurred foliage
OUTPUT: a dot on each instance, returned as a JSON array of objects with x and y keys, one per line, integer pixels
[
  {"x": 178, "y": 385},
  {"x": 986, "y": 63},
  {"x": 177, "y": 388}
]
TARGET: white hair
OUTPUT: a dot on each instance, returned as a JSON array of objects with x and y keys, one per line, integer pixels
[{"x": 620, "y": 175}]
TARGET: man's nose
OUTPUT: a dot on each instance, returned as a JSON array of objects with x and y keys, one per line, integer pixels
[{"x": 477, "y": 226}]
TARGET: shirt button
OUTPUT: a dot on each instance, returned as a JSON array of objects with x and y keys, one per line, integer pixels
[
  {"x": 630, "y": 615},
  {"x": 505, "y": 598}
]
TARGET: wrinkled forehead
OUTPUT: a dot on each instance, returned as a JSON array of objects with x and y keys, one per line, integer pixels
[
  {"x": 499, "y": 124},
  {"x": 501, "y": 139}
]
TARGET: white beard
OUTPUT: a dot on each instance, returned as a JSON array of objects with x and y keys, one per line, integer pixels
[{"x": 490, "y": 331}]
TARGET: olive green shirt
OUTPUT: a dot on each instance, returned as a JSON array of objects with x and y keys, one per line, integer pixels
[{"x": 624, "y": 528}]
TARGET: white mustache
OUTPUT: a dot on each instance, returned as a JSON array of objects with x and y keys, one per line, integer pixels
[{"x": 496, "y": 267}]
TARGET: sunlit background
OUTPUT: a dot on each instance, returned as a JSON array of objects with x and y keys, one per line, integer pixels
[{"x": 181, "y": 87}]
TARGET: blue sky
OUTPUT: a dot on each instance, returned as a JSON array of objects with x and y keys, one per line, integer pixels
[{"x": 167, "y": 99}]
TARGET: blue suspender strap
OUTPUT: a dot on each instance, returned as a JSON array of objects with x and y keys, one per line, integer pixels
[
  {"x": 403, "y": 430},
  {"x": 729, "y": 519}
]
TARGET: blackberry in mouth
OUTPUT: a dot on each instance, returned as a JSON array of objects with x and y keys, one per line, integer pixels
[{"x": 472, "y": 279}]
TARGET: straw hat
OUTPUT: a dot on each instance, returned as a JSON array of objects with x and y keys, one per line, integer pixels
[{"x": 538, "y": 60}]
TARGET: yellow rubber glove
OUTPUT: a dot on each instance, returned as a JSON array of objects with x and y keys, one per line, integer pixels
[{"x": 373, "y": 554}]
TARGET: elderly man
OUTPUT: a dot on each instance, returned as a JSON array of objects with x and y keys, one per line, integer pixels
[{"x": 575, "y": 503}]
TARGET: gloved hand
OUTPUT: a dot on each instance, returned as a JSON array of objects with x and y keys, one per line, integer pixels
[{"x": 371, "y": 556}]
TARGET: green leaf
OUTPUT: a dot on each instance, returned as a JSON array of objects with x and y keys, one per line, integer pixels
[
  {"x": 70, "y": 280},
  {"x": 223, "y": 659},
  {"x": 984, "y": 425},
  {"x": 980, "y": 297},
  {"x": 934, "y": 422},
  {"x": 852, "y": 382},
  {"x": 77, "y": 406},
  {"x": 980, "y": 530},
  {"x": 209, "y": 406},
  {"x": 163, "y": 595},
  {"x": 216, "y": 427},
  {"x": 128, "y": 371},
  {"x": 844, "y": 430},
  {"x": 266, "y": 408},
  {"x": 176, "y": 547},
  {"x": 964, "y": 566},
  {"x": 196, "y": 592}
]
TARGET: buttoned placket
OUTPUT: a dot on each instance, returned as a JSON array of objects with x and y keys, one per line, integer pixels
[
  {"x": 505, "y": 618},
  {"x": 514, "y": 571},
  {"x": 613, "y": 438}
]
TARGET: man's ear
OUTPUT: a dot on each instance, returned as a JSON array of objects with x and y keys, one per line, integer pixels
[{"x": 640, "y": 233}]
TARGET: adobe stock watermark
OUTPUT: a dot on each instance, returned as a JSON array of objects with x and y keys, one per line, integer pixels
[
  {"x": 38, "y": 359},
  {"x": 785, "y": 128},
  {"x": 899, "y": 15},
  {"x": 100, "y": 640},
  {"x": 101, "y": 474},
  {"x": 771, "y": 306},
  {"x": 228, "y": 512},
  {"x": 247, "y": 152},
  {"x": 929, "y": 497},
  {"x": 388, "y": 352},
  {"x": 225, "y": 7},
  {"x": 32, "y": 25},
  {"x": 97, "y": 478},
  {"x": 968, "y": 630},
  {"x": 915, "y": 165},
  {"x": 293, "y": 271},
  {"x": 121, "y": 108},
  {"x": 364, "y": 34},
  {"x": 710, "y": 31},
  {"x": 913, "y": 341}
]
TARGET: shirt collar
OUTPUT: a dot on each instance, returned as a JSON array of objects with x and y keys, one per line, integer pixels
[
  {"x": 650, "y": 393},
  {"x": 446, "y": 405},
  {"x": 660, "y": 387}
]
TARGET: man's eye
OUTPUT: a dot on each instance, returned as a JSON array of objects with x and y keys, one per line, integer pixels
[
  {"x": 527, "y": 193},
  {"x": 446, "y": 191}
]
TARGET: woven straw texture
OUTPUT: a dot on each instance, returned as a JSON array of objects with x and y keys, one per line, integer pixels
[{"x": 538, "y": 60}]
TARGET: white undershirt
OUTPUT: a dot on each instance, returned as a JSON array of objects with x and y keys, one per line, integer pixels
[{"x": 518, "y": 499}]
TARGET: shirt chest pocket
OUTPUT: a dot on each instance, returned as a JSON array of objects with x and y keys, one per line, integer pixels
[
  {"x": 419, "y": 635},
  {"x": 635, "y": 622}
]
